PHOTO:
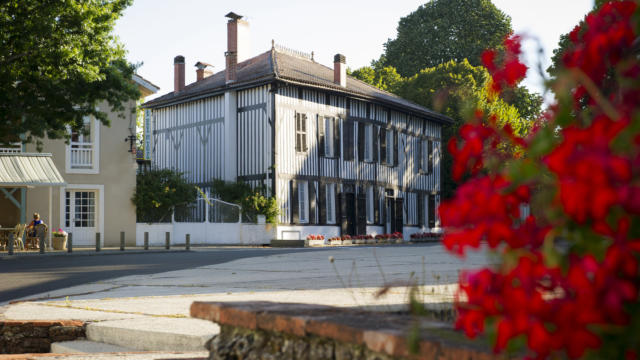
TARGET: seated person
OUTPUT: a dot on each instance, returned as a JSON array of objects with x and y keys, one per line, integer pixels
[{"x": 32, "y": 226}]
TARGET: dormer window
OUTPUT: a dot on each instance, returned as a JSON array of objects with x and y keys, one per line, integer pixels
[{"x": 83, "y": 149}]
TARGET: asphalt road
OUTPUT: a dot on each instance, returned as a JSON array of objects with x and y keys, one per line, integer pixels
[{"x": 28, "y": 275}]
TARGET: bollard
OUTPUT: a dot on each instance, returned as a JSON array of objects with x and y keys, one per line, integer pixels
[
  {"x": 146, "y": 240},
  {"x": 187, "y": 241},
  {"x": 121, "y": 240},
  {"x": 10, "y": 244},
  {"x": 69, "y": 242},
  {"x": 42, "y": 245},
  {"x": 167, "y": 240},
  {"x": 97, "y": 241}
]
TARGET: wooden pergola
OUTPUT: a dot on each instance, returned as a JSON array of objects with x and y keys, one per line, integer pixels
[{"x": 22, "y": 171}]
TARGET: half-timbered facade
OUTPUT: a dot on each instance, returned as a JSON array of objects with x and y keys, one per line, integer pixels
[{"x": 341, "y": 156}]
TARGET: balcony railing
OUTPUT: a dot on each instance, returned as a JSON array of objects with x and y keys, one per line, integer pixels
[
  {"x": 81, "y": 155},
  {"x": 11, "y": 148}
]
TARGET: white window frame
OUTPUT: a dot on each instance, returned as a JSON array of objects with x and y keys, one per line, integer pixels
[
  {"x": 99, "y": 216},
  {"x": 95, "y": 160},
  {"x": 303, "y": 202},
  {"x": 368, "y": 143},
  {"x": 301, "y": 132},
  {"x": 328, "y": 137},
  {"x": 331, "y": 203},
  {"x": 370, "y": 207}
]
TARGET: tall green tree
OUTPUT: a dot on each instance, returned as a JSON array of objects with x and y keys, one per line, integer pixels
[
  {"x": 58, "y": 59},
  {"x": 444, "y": 30}
]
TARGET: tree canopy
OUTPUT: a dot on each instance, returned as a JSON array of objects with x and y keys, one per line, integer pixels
[
  {"x": 444, "y": 30},
  {"x": 58, "y": 59}
]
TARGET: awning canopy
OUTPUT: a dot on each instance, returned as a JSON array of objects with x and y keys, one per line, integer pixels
[{"x": 28, "y": 170}]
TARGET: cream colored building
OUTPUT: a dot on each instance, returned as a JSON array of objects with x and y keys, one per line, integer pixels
[{"x": 100, "y": 174}]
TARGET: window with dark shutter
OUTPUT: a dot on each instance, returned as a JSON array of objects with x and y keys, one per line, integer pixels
[
  {"x": 430, "y": 157},
  {"x": 336, "y": 137},
  {"x": 419, "y": 156},
  {"x": 420, "y": 210},
  {"x": 395, "y": 148},
  {"x": 322, "y": 203},
  {"x": 376, "y": 136},
  {"x": 348, "y": 140},
  {"x": 301, "y": 132},
  {"x": 383, "y": 146},
  {"x": 431, "y": 209},
  {"x": 321, "y": 136},
  {"x": 361, "y": 141}
]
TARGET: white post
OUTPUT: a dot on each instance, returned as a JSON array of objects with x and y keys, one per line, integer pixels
[{"x": 50, "y": 216}]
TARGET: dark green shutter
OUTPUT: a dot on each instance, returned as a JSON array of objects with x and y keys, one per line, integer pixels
[
  {"x": 361, "y": 214},
  {"x": 395, "y": 148},
  {"x": 361, "y": 140},
  {"x": 294, "y": 203},
  {"x": 419, "y": 165},
  {"x": 376, "y": 205},
  {"x": 383, "y": 146},
  {"x": 420, "y": 209},
  {"x": 432, "y": 210},
  {"x": 322, "y": 204},
  {"x": 398, "y": 215},
  {"x": 311, "y": 185},
  {"x": 321, "y": 136},
  {"x": 336, "y": 137},
  {"x": 430, "y": 157},
  {"x": 344, "y": 221},
  {"x": 375, "y": 143}
]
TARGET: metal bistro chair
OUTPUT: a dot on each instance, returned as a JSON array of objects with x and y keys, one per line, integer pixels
[{"x": 18, "y": 235}]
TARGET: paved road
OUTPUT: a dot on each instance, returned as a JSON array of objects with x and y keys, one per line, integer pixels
[
  {"x": 210, "y": 270},
  {"x": 23, "y": 276}
]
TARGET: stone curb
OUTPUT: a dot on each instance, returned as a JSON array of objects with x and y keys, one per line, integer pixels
[
  {"x": 88, "y": 253},
  {"x": 382, "y": 333}
]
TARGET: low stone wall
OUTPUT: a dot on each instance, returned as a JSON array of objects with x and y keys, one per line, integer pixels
[
  {"x": 266, "y": 330},
  {"x": 20, "y": 337}
]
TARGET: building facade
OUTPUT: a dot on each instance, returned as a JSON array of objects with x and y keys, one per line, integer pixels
[
  {"x": 340, "y": 156},
  {"x": 100, "y": 174}
]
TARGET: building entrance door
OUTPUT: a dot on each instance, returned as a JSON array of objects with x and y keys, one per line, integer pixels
[{"x": 81, "y": 217}]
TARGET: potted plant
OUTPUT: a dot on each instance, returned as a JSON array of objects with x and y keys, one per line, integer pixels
[{"x": 59, "y": 239}]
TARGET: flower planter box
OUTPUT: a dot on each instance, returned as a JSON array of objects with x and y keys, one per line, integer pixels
[
  {"x": 336, "y": 242},
  {"x": 59, "y": 242},
  {"x": 347, "y": 242},
  {"x": 316, "y": 242},
  {"x": 370, "y": 241},
  {"x": 359, "y": 241}
]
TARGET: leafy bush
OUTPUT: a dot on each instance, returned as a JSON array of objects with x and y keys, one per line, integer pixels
[
  {"x": 158, "y": 192},
  {"x": 253, "y": 201}
]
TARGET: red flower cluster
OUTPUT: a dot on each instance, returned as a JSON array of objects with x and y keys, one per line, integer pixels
[
  {"x": 511, "y": 71},
  {"x": 423, "y": 235},
  {"x": 315, "y": 237},
  {"x": 570, "y": 276}
]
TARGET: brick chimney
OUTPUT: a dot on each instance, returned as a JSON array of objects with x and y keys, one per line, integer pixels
[
  {"x": 340, "y": 70},
  {"x": 178, "y": 73},
  {"x": 202, "y": 71},
  {"x": 237, "y": 44}
]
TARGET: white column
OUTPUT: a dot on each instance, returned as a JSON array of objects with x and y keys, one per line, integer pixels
[{"x": 50, "y": 214}]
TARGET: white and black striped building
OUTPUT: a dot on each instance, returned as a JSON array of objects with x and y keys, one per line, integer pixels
[{"x": 341, "y": 156}]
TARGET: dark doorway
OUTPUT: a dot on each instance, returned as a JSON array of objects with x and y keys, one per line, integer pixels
[{"x": 347, "y": 213}]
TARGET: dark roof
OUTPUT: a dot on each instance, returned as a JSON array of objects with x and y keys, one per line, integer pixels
[{"x": 298, "y": 69}]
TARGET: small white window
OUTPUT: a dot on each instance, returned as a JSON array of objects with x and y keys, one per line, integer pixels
[
  {"x": 328, "y": 139},
  {"x": 390, "y": 147},
  {"x": 370, "y": 215},
  {"x": 303, "y": 202},
  {"x": 331, "y": 203}
]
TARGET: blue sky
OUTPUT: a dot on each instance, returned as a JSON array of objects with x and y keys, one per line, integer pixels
[{"x": 155, "y": 31}]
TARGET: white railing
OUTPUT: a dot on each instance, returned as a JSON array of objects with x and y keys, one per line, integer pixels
[
  {"x": 81, "y": 155},
  {"x": 11, "y": 148}
]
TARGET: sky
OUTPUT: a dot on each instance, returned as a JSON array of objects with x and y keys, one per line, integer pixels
[{"x": 155, "y": 31}]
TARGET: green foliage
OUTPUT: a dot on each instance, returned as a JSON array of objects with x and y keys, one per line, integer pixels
[
  {"x": 58, "y": 59},
  {"x": 456, "y": 89},
  {"x": 252, "y": 201},
  {"x": 385, "y": 77},
  {"x": 158, "y": 192},
  {"x": 444, "y": 30}
]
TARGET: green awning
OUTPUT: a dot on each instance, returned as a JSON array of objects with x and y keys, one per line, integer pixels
[{"x": 28, "y": 170}]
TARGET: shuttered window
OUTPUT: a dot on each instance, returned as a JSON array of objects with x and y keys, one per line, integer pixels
[
  {"x": 303, "y": 202},
  {"x": 390, "y": 148},
  {"x": 331, "y": 203},
  {"x": 328, "y": 137},
  {"x": 301, "y": 132},
  {"x": 368, "y": 142}
]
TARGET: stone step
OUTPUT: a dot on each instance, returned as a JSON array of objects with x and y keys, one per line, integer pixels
[
  {"x": 154, "y": 334},
  {"x": 86, "y": 347},
  {"x": 149, "y": 355}
]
